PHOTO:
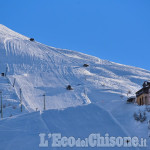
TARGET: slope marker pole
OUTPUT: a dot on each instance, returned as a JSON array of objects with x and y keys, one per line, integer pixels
[
  {"x": 1, "y": 105},
  {"x": 14, "y": 82},
  {"x": 6, "y": 71},
  {"x": 44, "y": 101},
  {"x": 21, "y": 99}
]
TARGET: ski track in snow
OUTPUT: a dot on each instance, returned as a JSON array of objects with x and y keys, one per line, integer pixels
[{"x": 41, "y": 69}]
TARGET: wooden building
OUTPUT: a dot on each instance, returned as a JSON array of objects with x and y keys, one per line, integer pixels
[
  {"x": 131, "y": 99},
  {"x": 143, "y": 95}
]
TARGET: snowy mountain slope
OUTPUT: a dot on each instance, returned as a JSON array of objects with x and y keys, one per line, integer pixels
[
  {"x": 40, "y": 69},
  {"x": 67, "y": 122},
  {"x": 10, "y": 99}
]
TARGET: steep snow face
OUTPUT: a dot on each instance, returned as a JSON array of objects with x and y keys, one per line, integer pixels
[{"x": 40, "y": 69}]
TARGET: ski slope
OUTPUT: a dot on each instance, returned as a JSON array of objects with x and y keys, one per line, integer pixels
[
  {"x": 89, "y": 119},
  {"x": 96, "y": 103}
]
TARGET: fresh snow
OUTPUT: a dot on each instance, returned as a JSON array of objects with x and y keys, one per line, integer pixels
[{"x": 97, "y": 103}]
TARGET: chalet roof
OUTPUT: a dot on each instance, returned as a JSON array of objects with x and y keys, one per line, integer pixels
[
  {"x": 145, "y": 89},
  {"x": 131, "y": 97}
]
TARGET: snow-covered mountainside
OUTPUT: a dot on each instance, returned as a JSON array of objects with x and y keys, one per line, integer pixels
[{"x": 99, "y": 93}]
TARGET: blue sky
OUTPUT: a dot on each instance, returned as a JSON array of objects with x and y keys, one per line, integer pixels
[{"x": 116, "y": 30}]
